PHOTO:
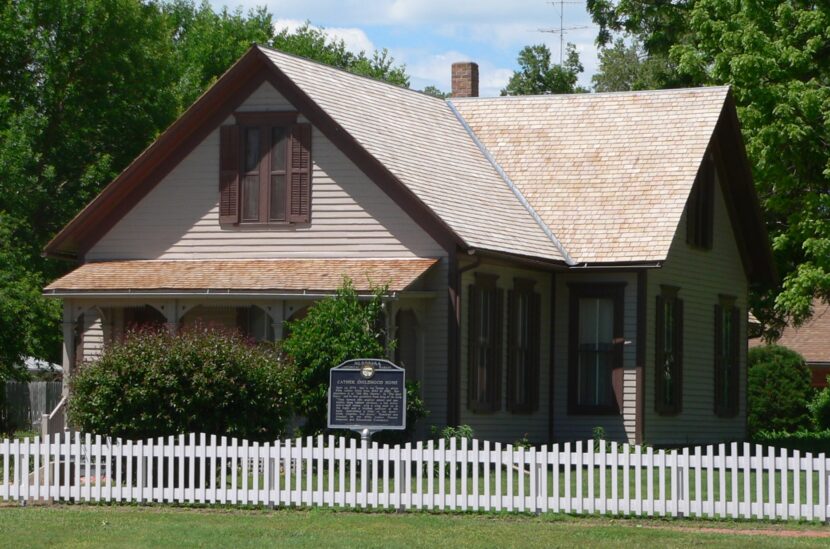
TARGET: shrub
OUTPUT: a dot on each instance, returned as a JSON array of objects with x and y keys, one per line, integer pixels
[
  {"x": 203, "y": 380},
  {"x": 778, "y": 390},
  {"x": 803, "y": 440},
  {"x": 336, "y": 329},
  {"x": 449, "y": 432},
  {"x": 820, "y": 409}
]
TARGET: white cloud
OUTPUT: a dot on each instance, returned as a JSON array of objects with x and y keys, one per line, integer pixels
[{"x": 355, "y": 39}]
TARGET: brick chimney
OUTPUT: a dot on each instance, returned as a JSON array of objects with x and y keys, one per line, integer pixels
[{"x": 465, "y": 79}]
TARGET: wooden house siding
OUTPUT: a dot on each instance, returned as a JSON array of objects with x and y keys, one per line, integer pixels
[
  {"x": 350, "y": 215},
  {"x": 503, "y": 425},
  {"x": 93, "y": 335},
  {"x": 620, "y": 427},
  {"x": 701, "y": 276}
]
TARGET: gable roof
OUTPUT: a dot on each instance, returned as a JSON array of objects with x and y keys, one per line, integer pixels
[
  {"x": 609, "y": 173},
  {"x": 589, "y": 178}
]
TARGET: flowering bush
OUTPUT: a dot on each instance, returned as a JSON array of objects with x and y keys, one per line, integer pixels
[{"x": 203, "y": 380}]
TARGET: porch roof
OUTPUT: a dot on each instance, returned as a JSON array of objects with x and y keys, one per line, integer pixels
[{"x": 286, "y": 275}]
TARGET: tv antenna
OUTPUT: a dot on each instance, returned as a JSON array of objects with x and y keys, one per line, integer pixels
[{"x": 562, "y": 30}]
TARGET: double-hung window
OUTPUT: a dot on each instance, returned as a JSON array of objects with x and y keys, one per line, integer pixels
[
  {"x": 668, "y": 376},
  {"x": 595, "y": 348},
  {"x": 265, "y": 170},
  {"x": 727, "y": 356},
  {"x": 484, "y": 352},
  {"x": 523, "y": 346}
]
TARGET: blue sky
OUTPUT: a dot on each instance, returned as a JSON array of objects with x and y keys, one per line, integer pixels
[{"x": 429, "y": 35}]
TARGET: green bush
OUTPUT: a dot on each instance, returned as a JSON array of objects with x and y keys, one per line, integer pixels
[
  {"x": 449, "y": 432},
  {"x": 820, "y": 409},
  {"x": 203, "y": 380},
  {"x": 803, "y": 440},
  {"x": 778, "y": 390},
  {"x": 336, "y": 329}
]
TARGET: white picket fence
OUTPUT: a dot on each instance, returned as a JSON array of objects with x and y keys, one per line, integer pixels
[{"x": 734, "y": 480}]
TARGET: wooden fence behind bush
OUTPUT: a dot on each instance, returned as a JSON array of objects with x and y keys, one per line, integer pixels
[
  {"x": 733, "y": 480},
  {"x": 25, "y": 402}
]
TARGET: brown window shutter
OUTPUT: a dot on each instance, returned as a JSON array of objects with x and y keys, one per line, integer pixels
[
  {"x": 299, "y": 195},
  {"x": 495, "y": 373},
  {"x": 472, "y": 346},
  {"x": 735, "y": 361},
  {"x": 718, "y": 325},
  {"x": 535, "y": 342},
  {"x": 659, "y": 355},
  {"x": 229, "y": 174},
  {"x": 678, "y": 357},
  {"x": 512, "y": 351}
]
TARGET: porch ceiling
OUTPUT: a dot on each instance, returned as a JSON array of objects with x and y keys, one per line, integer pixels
[{"x": 240, "y": 275}]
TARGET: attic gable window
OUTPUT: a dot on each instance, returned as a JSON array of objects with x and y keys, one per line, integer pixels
[
  {"x": 700, "y": 211},
  {"x": 265, "y": 170}
]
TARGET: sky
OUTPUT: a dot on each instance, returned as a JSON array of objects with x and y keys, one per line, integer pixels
[{"x": 429, "y": 35}]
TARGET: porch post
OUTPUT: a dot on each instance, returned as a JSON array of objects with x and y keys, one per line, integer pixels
[
  {"x": 68, "y": 360},
  {"x": 171, "y": 315},
  {"x": 276, "y": 313}
]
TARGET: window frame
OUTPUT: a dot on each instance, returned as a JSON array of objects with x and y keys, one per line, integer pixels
[
  {"x": 727, "y": 357},
  {"x": 577, "y": 291},
  {"x": 265, "y": 122},
  {"x": 528, "y": 350},
  {"x": 668, "y": 297},
  {"x": 485, "y": 282}
]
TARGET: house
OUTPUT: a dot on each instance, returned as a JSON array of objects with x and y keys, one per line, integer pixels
[
  {"x": 811, "y": 340},
  {"x": 555, "y": 263}
]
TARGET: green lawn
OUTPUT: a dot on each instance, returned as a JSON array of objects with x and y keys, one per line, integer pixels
[{"x": 88, "y": 526}]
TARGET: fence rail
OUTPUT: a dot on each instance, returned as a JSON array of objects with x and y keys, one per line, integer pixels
[{"x": 735, "y": 480}]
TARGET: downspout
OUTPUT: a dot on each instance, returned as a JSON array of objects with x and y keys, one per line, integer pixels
[{"x": 454, "y": 371}]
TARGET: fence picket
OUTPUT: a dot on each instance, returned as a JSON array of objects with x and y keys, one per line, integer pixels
[
  {"x": 578, "y": 471},
  {"x": 498, "y": 476}
]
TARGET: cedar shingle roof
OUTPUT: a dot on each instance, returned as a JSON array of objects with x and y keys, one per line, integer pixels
[
  {"x": 812, "y": 339},
  {"x": 292, "y": 275},
  {"x": 419, "y": 139},
  {"x": 609, "y": 173}
]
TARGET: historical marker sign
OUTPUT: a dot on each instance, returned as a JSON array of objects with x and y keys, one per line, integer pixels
[{"x": 367, "y": 393}]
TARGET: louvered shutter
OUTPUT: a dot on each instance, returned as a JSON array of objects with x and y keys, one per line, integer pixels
[
  {"x": 494, "y": 374},
  {"x": 512, "y": 350},
  {"x": 659, "y": 355},
  {"x": 229, "y": 174},
  {"x": 299, "y": 194},
  {"x": 718, "y": 362},
  {"x": 734, "y": 372},
  {"x": 472, "y": 346},
  {"x": 678, "y": 357},
  {"x": 534, "y": 344}
]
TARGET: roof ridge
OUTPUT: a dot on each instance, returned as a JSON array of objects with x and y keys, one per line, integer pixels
[
  {"x": 514, "y": 189},
  {"x": 344, "y": 71},
  {"x": 695, "y": 89}
]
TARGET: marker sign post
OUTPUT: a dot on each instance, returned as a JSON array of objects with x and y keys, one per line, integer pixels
[{"x": 367, "y": 395}]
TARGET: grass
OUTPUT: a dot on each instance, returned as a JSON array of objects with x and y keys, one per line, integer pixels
[{"x": 103, "y": 526}]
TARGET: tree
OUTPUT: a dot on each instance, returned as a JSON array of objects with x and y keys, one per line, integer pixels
[
  {"x": 335, "y": 330},
  {"x": 627, "y": 67},
  {"x": 776, "y": 56},
  {"x": 314, "y": 43},
  {"x": 85, "y": 86},
  {"x": 656, "y": 26},
  {"x": 538, "y": 74},
  {"x": 435, "y": 92}
]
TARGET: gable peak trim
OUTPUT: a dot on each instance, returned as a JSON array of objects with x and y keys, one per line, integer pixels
[{"x": 513, "y": 188}]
